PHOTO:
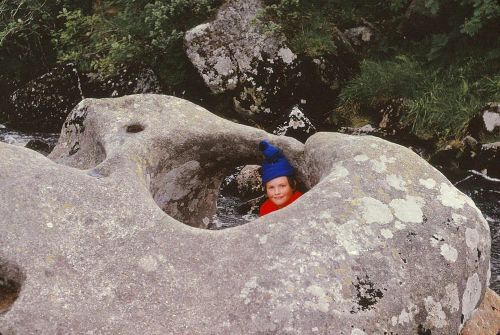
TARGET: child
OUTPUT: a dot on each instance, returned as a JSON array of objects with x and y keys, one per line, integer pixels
[{"x": 278, "y": 179}]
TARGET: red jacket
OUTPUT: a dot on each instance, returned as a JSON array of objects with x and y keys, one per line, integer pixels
[{"x": 268, "y": 206}]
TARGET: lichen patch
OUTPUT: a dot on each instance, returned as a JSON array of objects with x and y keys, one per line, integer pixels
[
  {"x": 471, "y": 296},
  {"x": 451, "y": 299},
  {"x": 386, "y": 233},
  {"x": 375, "y": 211},
  {"x": 396, "y": 182},
  {"x": 148, "y": 263},
  {"x": 451, "y": 197},
  {"x": 249, "y": 287},
  {"x": 449, "y": 253},
  {"x": 409, "y": 209},
  {"x": 428, "y": 183},
  {"x": 287, "y": 55},
  {"x": 471, "y": 238},
  {"x": 322, "y": 303},
  {"x": 338, "y": 172},
  {"x": 458, "y": 219},
  {"x": 435, "y": 314},
  {"x": 361, "y": 158},
  {"x": 398, "y": 225}
]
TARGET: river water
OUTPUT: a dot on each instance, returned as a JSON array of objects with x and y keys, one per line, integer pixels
[{"x": 485, "y": 192}]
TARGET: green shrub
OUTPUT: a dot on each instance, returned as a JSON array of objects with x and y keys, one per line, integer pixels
[
  {"x": 383, "y": 81},
  {"x": 125, "y": 32},
  {"x": 436, "y": 101}
]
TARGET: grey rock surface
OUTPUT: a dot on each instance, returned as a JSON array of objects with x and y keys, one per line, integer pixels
[
  {"x": 95, "y": 235},
  {"x": 223, "y": 50},
  {"x": 238, "y": 54},
  {"x": 485, "y": 125}
]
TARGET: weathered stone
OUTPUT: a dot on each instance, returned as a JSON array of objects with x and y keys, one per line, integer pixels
[
  {"x": 486, "y": 124},
  {"x": 246, "y": 183},
  {"x": 362, "y": 38},
  {"x": 486, "y": 319},
  {"x": 40, "y": 146},
  {"x": 296, "y": 125},
  {"x": 264, "y": 77},
  {"x": 488, "y": 160},
  {"x": 376, "y": 245},
  {"x": 43, "y": 104},
  {"x": 224, "y": 49},
  {"x": 129, "y": 80}
]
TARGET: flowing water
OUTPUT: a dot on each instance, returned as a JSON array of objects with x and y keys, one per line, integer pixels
[{"x": 485, "y": 192}]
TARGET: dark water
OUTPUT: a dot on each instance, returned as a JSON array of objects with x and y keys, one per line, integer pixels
[
  {"x": 485, "y": 192},
  {"x": 21, "y": 139}
]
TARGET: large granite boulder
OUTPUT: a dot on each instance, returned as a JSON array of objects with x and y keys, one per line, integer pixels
[
  {"x": 93, "y": 239},
  {"x": 259, "y": 72}
]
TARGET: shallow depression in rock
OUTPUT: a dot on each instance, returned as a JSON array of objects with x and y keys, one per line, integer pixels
[{"x": 11, "y": 281}]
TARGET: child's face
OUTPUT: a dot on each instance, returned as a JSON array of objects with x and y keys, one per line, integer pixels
[{"x": 279, "y": 191}]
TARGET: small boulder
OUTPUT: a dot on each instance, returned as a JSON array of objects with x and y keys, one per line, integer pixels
[
  {"x": 486, "y": 123},
  {"x": 245, "y": 183},
  {"x": 296, "y": 125},
  {"x": 133, "y": 79},
  {"x": 486, "y": 319},
  {"x": 39, "y": 146},
  {"x": 488, "y": 160},
  {"x": 43, "y": 104}
]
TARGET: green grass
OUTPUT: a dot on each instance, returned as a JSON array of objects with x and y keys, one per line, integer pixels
[{"x": 436, "y": 101}]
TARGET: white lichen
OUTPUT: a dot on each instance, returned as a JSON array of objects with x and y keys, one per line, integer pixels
[
  {"x": 361, "y": 158},
  {"x": 451, "y": 197},
  {"x": 471, "y": 296},
  {"x": 409, "y": 209},
  {"x": 435, "y": 314},
  {"x": 428, "y": 183},
  {"x": 249, "y": 287},
  {"x": 471, "y": 238},
  {"x": 148, "y": 263},
  {"x": 451, "y": 299},
  {"x": 386, "y": 233},
  {"x": 396, "y": 182},
  {"x": 375, "y": 211},
  {"x": 449, "y": 253},
  {"x": 287, "y": 55}
]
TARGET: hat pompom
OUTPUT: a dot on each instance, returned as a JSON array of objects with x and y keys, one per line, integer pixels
[{"x": 275, "y": 163}]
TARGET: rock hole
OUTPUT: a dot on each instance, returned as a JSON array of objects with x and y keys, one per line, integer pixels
[
  {"x": 11, "y": 280},
  {"x": 135, "y": 128},
  {"x": 203, "y": 193}
]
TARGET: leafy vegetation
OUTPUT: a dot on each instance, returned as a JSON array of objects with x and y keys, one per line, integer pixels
[
  {"x": 444, "y": 69},
  {"x": 100, "y": 35},
  {"x": 444, "y": 73}
]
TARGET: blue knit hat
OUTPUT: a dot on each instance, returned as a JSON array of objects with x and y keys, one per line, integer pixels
[{"x": 275, "y": 163}]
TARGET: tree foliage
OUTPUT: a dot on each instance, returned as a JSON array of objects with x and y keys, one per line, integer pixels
[
  {"x": 123, "y": 32},
  {"x": 443, "y": 73},
  {"x": 444, "y": 70}
]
